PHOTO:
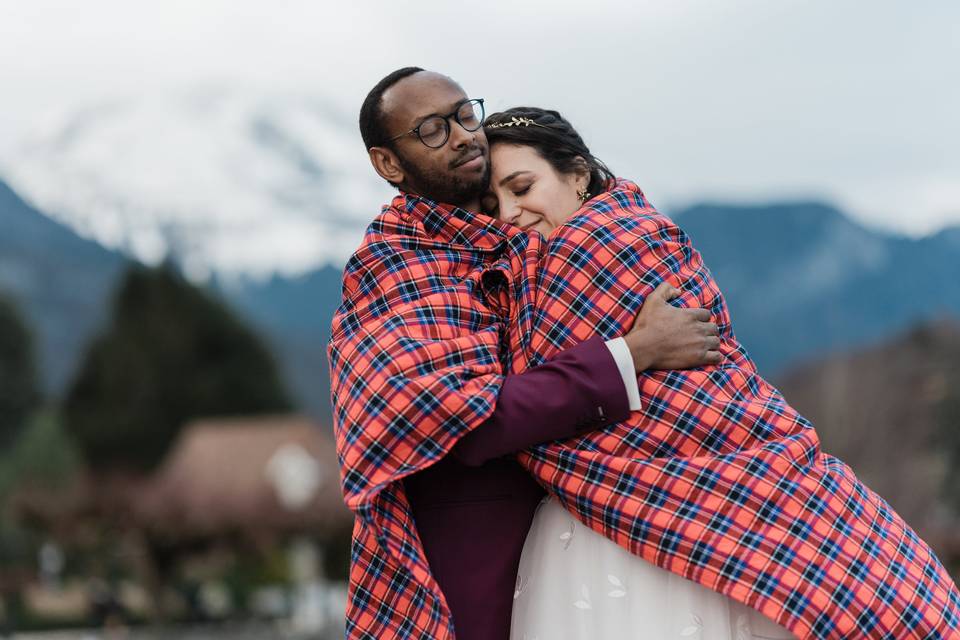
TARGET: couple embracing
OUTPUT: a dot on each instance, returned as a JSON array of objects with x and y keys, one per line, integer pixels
[{"x": 547, "y": 429}]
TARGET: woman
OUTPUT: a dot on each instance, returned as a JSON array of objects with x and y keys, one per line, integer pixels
[{"x": 576, "y": 582}]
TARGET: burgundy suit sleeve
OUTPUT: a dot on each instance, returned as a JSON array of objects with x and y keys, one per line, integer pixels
[{"x": 578, "y": 390}]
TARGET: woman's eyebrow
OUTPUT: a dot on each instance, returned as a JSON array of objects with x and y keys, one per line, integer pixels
[{"x": 511, "y": 177}]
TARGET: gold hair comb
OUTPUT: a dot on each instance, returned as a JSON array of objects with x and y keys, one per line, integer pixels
[{"x": 515, "y": 121}]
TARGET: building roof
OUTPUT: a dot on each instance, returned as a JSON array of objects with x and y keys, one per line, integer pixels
[{"x": 264, "y": 473}]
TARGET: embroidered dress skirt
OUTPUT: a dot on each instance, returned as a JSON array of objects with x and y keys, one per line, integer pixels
[{"x": 575, "y": 583}]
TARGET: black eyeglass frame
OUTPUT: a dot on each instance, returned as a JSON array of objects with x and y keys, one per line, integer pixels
[{"x": 455, "y": 114}]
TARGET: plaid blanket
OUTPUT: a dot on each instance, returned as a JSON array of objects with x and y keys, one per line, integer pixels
[
  {"x": 717, "y": 479},
  {"x": 415, "y": 359}
]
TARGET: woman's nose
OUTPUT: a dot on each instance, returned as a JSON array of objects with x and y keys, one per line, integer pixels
[{"x": 510, "y": 212}]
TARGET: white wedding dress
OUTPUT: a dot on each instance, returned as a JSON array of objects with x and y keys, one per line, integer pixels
[{"x": 575, "y": 583}]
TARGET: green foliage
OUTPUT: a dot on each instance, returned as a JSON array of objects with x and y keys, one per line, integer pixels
[
  {"x": 17, "y": 545},
  {"x": 249, "y": 571},
  {"x": 19, "y": 394},
  {"x": 44, "y": 455},
  {"x": 172, "y": 353},
  {"x": 950, "y": 437},
  {"x": 336, "y": 554}
]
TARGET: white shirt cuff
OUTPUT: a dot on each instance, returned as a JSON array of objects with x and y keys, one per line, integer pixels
[{"x": 621, "y": 355}]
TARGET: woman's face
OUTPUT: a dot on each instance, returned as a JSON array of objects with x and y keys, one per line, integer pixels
[{"x": 529, "y": 192}]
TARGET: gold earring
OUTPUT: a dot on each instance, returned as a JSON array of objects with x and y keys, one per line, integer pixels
[{"x": 583, "y": 194}]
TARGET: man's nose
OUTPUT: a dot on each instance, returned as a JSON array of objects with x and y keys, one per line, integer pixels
[{"x": 460, "y": 137}]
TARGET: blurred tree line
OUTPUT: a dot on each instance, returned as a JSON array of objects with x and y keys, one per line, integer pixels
[
  {"x": 170, "y": 353},
  {"x": 950, "y": 435},
  {"x": 19, "y": 391}
]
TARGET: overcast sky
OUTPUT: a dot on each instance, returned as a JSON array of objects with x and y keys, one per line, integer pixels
[{"x": 746, "y": 100}]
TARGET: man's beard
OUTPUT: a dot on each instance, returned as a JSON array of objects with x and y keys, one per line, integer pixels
[{"x": 447, "y": 188}]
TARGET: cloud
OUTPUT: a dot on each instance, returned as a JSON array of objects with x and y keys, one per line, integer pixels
[
  {"x": 226, "y": 180},
  {"x": 693, "y": 99}
]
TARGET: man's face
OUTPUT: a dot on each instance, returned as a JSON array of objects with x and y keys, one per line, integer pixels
[{"x": 457, "y": 172}]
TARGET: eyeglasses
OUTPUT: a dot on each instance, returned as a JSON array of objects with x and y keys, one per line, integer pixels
[{"x": 434, "y": 131}]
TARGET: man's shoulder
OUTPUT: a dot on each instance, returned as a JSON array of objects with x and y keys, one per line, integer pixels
[{"x": 396, "y": 248}]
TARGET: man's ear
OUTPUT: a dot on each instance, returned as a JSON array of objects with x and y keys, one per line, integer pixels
[{"x": 386, "y": 163}]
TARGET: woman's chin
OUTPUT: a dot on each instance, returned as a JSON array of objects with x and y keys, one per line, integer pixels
[{"x": 544, "y": 227}]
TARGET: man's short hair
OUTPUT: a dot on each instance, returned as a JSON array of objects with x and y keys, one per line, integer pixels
[{"x": 371, "y": 112}]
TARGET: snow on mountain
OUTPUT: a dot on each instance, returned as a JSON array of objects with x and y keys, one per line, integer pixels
[{"x": 232, "y": 182}]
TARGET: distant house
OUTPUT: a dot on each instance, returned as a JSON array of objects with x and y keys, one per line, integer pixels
[
  {"x": 255, "y": 482},
  {"x": 271, "y": 474},
  {"x": 254, "y": 476}
]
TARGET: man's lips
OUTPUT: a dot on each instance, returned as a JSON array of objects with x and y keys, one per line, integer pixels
[{"x": 467, "y": 159}]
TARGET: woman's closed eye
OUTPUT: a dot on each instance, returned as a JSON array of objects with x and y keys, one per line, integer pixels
[{"x": 523, "y": 191}]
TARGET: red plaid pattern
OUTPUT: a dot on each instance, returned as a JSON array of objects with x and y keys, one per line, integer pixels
[{"x": 717, "y": 479}]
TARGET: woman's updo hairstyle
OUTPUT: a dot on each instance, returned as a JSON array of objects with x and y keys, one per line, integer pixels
[{"x": 554, "y": 139}]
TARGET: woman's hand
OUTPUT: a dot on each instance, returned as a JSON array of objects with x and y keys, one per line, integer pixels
[{"x": 665, "y": 337}]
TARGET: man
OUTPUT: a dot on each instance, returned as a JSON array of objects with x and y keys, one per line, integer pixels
[{"x": 471, "y": 507}]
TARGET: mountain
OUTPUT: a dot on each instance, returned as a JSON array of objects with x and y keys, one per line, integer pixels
[
  {"x": 58, "y": 279},
  {"x": 272, "y": 191},
  {"x": 63, "y": 284},
  {"x": 229, "y": 181},
  {"x": 295, "y": 315},
  {"x": 803, "y": 280},
  {"x": 886, "y": 411}
]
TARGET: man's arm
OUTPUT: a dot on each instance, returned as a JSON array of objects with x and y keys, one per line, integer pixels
[
  {"x": 578, "y": 390},
  {"x": 593, "y": 383}
]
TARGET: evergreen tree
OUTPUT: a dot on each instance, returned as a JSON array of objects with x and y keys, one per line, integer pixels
[
  {"x": 950, "y": 435},
  {"x": 172, "y": 353},
  {"x": 19, "y": 393}
]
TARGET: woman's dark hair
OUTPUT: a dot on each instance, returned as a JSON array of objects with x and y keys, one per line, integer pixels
[{"x": 553, "y": 138}]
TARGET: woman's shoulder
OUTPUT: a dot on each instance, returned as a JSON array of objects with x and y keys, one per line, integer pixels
[
  {"x": 624, "y": 196},
  {"x": 623, "y": 208}
]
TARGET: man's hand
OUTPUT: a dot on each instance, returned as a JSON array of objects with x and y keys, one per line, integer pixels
[{"x": 665, "y": 337}]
